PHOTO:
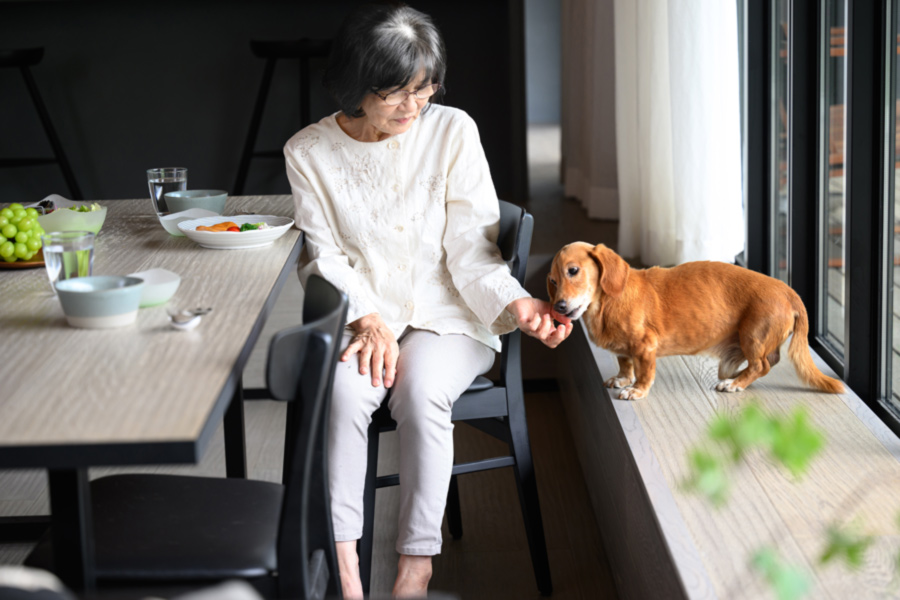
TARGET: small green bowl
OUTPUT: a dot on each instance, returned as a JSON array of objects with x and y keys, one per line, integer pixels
[
  {"x": 100, "y": 301},
  {"x": 213, "y": 200}
]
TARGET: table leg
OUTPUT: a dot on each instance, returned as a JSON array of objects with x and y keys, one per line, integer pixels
[
  {"x": 235, "y": 441},
  {"x": 71, "y": 528}
]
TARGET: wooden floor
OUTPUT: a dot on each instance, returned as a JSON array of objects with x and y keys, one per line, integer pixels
[{"x": 491, "y": 561}]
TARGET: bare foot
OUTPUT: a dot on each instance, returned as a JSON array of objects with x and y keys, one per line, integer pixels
[
  {"x": 348, "y": 563},
  {"x": 413, "y": 575}
]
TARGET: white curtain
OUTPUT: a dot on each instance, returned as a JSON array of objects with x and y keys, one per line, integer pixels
[
  {"x": 589, "y": 106},
  {"x": 677, "y": 126}
]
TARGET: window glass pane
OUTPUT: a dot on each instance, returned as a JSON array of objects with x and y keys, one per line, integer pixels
[
  {"x": 833, "y": 195},
  {"x": 779, "y": 196},
  {"x": 893, "y": 362}
]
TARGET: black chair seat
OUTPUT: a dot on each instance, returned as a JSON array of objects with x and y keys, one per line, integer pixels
[
  {"x": 20, "y": 57},
  {"x": 192, "y": 528},
  {"x": 480, "y": 384}
]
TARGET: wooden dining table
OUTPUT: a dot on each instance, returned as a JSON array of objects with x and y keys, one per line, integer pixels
[{"x": 142, "y": 394}]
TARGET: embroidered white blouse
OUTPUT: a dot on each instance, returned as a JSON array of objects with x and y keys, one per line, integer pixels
[{"x": 407, "y": 226}]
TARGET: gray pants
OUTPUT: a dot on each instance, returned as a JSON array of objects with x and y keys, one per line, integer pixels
[{"x": 432, "y": 372}]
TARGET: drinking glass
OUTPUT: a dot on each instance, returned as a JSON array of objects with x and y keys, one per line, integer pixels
[
  {"x": 160, "y": 181},
  {"x": 68, "y": 254}
]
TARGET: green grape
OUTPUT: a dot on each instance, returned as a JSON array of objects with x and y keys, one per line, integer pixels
[
  {"x": 22, "y": 237},
  {"x": 19, "y": 212},
  {"x": 9, "y": 259},
  {"x": 4, "y": 221},
  {"x": 31, "y": 211},
  {"x": 6, "y": 212},
  {"x": 30, "y": 255},
  {"x": 16, "y": 205},
  {"x": 34, "y": 244},
  {"x": 26, "y": 223},
  {"x": 9, "y": 230},
  {"x": 21, "y": 250},
  {"x": 7, "y": 249},
  {"x": 15, "y": 220}
]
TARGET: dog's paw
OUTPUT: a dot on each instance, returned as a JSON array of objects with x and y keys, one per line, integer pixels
[
  {"x": 618, "y": 382},
  {"x": 728, "y": 386},
  {"x": 632, "y": 393}
]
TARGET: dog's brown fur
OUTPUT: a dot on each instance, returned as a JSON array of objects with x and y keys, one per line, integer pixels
[{"x": 705, "y": 307}]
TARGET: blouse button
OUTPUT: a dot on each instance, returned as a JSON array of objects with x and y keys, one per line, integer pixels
[
  {"x": 399, "y": 228},
  {"x": 396, "y": 187},
  {"x": 402, "y": 267},
  {"x": 409, "y": 305},
  {"x": 394, "y": 145}
]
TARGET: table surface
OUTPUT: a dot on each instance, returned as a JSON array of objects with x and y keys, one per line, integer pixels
[{"x": 144, "y": 393}]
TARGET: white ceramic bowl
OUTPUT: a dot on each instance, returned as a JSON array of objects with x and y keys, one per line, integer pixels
[
  {"x": 100, "y": 302},
  {"x": 182, "y": 200},
  {"x": 159, "y": 286},
  {"x": 63, "y": 219},
  {"x": 235, "y": 240}
]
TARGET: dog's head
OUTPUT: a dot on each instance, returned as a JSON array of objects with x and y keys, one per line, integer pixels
[{"x": 580, "y": 273}]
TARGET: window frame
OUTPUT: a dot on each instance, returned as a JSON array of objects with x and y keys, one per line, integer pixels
[{"x": 868, "y": 168}]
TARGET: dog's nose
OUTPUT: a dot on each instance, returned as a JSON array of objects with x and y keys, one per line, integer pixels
[{"x": 561, "y": 307}]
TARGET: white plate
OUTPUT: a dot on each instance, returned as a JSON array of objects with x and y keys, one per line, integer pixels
[
  {"x": 170, "y": 222},
  {"x": 234, "y": 240},
  {"x": 159, "y": 286}
]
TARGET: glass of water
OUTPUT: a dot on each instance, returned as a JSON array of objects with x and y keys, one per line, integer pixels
[
  {"x": 68, "y": 254},
  {"x": 160, "y": 181}
]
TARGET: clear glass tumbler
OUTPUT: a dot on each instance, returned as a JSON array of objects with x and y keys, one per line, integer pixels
[
  {"x": 160, "y": 181},
  {"x": 68, "y": 254}
]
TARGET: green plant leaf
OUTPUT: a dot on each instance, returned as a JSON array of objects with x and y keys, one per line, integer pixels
[
  {"x": 707, "y": 477},
  {"x": 846, "y": 544},
  {"x": 795, "y": 442},
  {"x": 788, "y": 583}
]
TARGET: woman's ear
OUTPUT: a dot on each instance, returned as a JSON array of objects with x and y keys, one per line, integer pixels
[{"x": 613, "y": 270}]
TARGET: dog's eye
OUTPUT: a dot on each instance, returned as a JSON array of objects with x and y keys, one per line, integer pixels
[{"x": 573, "y": 271}]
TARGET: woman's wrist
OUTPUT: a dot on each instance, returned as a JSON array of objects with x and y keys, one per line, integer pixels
[{"x": 366, "y": 322}]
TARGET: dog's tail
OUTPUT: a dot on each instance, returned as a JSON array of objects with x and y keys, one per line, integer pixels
[{"x": 798, "y": 352}]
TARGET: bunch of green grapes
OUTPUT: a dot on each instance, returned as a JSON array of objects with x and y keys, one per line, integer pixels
[{"x": 20, "y": 233}]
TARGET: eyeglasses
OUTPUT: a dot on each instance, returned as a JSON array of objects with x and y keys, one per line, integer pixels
[{"x": 400, "y": 96}]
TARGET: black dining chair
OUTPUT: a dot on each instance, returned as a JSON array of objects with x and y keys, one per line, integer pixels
[
  {"x": 151, "y": 530},
  {"x": 496, "y": 408}
]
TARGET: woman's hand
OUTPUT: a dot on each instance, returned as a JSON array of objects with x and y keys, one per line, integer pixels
[
  {"x": 377, "y": 348},
  {"x": 535, "y": 318}
]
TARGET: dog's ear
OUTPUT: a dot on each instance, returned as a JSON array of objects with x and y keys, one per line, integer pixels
[
  {"x": 613, "y": 270},
  {"x": 551, "y": 287}
]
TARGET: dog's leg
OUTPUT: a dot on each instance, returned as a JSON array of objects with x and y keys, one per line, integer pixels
[
  {"x": 757, "y": 366},
  {"x": 645, "y": 369},
  {"x": 730, "y": 361},
  {"x": 625, "y": 376}
]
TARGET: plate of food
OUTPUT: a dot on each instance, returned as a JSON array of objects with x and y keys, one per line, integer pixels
[{"x": 236, "y": 232}]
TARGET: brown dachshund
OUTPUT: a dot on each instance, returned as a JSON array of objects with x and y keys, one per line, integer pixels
[{"x": 712, "y": 308}]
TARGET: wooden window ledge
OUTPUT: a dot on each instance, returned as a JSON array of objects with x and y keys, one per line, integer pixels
[{"x": 664, "y": 542}]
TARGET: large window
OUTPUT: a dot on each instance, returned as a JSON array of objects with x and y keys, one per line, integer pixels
[{"x": 820, "y": 85}]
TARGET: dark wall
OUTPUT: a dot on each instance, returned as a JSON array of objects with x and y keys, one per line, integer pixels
[{"x": 136, "y": 85}]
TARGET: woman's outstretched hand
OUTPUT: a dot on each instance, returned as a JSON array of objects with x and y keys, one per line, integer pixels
[
  {"x": 377, "y": 348},
  {"x": 535, "y": 318}
]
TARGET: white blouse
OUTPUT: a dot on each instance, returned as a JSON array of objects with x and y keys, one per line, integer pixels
[{"x": 406, "y": 227}]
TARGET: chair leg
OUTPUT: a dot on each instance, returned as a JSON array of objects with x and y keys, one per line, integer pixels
[
  {"x": 454, "y": 515},
  {"x": 255, "y": 120},
  {"x": 520, "y": 447},
  {"x": 366, "y": 543},
  {"x": 58, "y": 151}
]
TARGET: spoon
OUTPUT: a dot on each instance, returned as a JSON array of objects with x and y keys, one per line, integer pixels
[{"x": 188, "y": 318}]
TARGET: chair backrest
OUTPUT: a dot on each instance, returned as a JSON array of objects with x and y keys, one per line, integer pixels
[
  {"x": 514, "y": 241},
  {"x": 300, "y": 370}
]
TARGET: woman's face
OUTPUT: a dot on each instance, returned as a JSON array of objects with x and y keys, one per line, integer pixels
[{"x": 382, "y": 121}]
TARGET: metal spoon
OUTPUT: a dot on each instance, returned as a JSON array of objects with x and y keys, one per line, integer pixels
[{"x": 187, "y": 319}]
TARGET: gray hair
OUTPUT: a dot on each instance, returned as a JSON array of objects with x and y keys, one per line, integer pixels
[{"x": 380, "y": 47}]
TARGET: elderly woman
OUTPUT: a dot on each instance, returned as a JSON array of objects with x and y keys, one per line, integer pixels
[{"x": 396, "y": 200}]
